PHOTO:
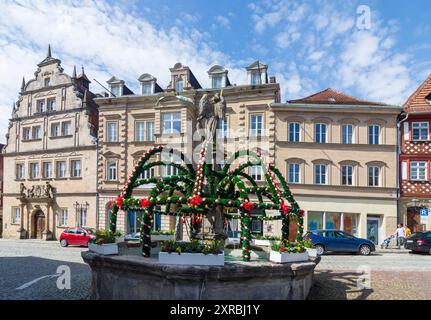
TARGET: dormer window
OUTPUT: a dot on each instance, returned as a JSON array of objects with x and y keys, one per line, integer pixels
[
  {"x": 217, "y": 82},
  {"x": 116, "y": 90},
  {"x": 47, "y": 82},
  {"x": 147, "y": 89},
  {"x": 179, "y": 85},
  {"x": 255, "y": 78}
]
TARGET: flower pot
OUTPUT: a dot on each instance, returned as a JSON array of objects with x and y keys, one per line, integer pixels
[
  {"x": 104, "y": 249},
  {"x": 162, "y": 237},
  {"x": 199, "y": 259},
  {"x": 288, "y": 257},
  {"x": 312, "y": 252},
  {"x": 264, "y": 243}
]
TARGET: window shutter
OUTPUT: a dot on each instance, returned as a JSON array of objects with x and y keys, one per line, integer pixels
[
  {"x": 406, "y": 131},
  {"x": 404, "y": 170}
]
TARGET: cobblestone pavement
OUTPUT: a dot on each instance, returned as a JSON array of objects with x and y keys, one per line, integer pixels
[
  {"x": 390, "y": 276},
  {"x": 28, "y": 270}
]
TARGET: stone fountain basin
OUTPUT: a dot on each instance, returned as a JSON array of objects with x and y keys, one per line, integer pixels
[{"x": 132, "y": 277}]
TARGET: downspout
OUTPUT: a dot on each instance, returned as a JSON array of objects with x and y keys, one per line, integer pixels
[
  {"x": 97, "y": 183},
  {"x": 399, "y": 128}
]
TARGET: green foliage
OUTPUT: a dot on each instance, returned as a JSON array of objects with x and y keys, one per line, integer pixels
[
  {"x": 162, "y": 233},
  {"x": 105, "y": 236},
  {"x": 270, "y": 238},
  {"x": 288, "y": 247},
  {"x": 195, "y": 246}
]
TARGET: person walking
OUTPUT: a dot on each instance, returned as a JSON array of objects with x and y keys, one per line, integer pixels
[{"x": 401, "y": 235}]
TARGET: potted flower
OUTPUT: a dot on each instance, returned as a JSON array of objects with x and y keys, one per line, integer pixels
[
  {"x": 105, "y": 243},
  {"x": 312, "y": 252},
  {"x": 287, "y": 252},
  {"x": 205, "y": 253},
  {"x": 162, "y": 235},
  {"x": 265, "y": 241}
]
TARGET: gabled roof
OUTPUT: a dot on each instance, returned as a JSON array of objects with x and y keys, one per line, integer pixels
[
  {"x": 330, "y": 96},
  {"x": 420, "y": 100}
]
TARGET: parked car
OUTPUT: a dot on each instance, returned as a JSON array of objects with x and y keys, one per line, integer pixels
[
  {"x": 77, "y": 236},
  {"x": 419, "y": 242},
  {"x": 339, "y": 241}
]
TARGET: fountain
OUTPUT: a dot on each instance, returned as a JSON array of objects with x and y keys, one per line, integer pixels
[{"x": 197, "y": 193}]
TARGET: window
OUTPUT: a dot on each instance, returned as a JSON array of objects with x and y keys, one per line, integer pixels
[
  {"x": 150, "y": 131},
  {"x": 373, "y": 134},
  {"x": 139, "y": 130},
  {"x": 171, "y": 123},
  {"x": 47, "y": 82},
  {"x": 66, "y": 128},
  {"x": 75, "y": 168},
  {"x": 16, "y": 215},
  {"x": 373, "y": 176},
  {"x": 116, "y": 91},
  {"x": 320, "y": 174},
  {"x": 222, "y": 128},
  {"x": 63, "y": 217},
  {"x": 420, "y": 130},
  {"x": 112, "y": 131},
  {"x": 47, "y": 170},
  {"x": 60, "y": 169},
  {"x": 293, "y": 172},
  {"x": 347, "y": 134},
  {"x": 34, "y": 170},
  {"x": 147, "y": 89},
  {"x": 55, "y": 130},
  {"x": 170, "y": 170},
  {"x": 294, "y": 132},
  {"x": 418, "y": 170},
  {"x": 256, "y": 173},
  {"x": 112, "y": 170},
  {"x": 51, "y": 105},
  {"x": 320, "y": 132},
  {"x": 256, "y": 125},
  {"x": 26, "y": 133},
  {"x": 347, "y": 222},
  {"x": 41, "y": 106},
  {"x": 82, "y": 217},
  {"x": 347, "y": 175},
  {"x": 255, "y": 78},
  {"x": 216, "y": 82},
  {"x": 36, "y": 132},
  {"x": 147, "y": 174},
  {"x": 179, "y": 85},
  {"x": 20, "y": 171},
  {"x": 256, "y": 226}
]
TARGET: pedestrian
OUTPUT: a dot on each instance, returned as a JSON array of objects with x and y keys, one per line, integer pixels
[
  {"x": 401, "y": 235},
  {"x": 408, "y": 232}
]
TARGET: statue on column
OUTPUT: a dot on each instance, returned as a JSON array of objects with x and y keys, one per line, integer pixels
[{"x": 22, "y": 190}]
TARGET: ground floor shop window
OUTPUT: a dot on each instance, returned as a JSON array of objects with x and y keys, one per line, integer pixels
[{"x": 347, "y": 222}]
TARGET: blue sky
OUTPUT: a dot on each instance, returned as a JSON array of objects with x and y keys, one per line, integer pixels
[{"x": 308, "y": 45}]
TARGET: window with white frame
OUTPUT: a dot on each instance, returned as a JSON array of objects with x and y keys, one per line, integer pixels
[
  {"x": 139, "y": 130},
  {"x": 36, "y": 132},
  {"x": 55, "y": 129},
  {"x": 75, "y": 168},
  {"x": 20, "y": 171},
  {"x": 82, "y": 217},
  {"x": 373, "y": 134},
  {"x": 111, "y": 170},
  {"x": 34, "y": 170},
  {"x": 60, "y": 169},
  {"x": 420, "y": 131},
  {"x": 26, "y": 133},
  {"x": 150, "y": 131},
  {"x": 41, "y": 106},
  {"x": 51, "y": 104},
  {"x": 320, "y": 132},
  {"x": 373, "y": 176},
  {"x": 320, "y": 174},
  {"x": 418, "y": 170},
  {"x": 347, "y": 175},
  {"x": 64, "y": 217},
  {"x": 170, "y": 170},
  {"x": 256, "y": 173},
  {"x": 347, "y": 134},
  {"x": 116, "y": 90},
  {"x": 171, "y": 123},
  {"x": 255, "y": 78},
  {"x": 294, "y": 172},
  {"x": 147, "y": 89},
  {"x": 294, "y": 132},
  {"x": 222, "y": 128},
  {"x": 216, "y": 82},
  {"x": 179, "y": 85},
  {"x": 112, "y": 131},
  {"x": 256, "y": 125},
  {"x": 47, "y": 170},
  {"x": 66, "y": 128},
  {"x": 16, "y": 215},
  {"x": 147, "y": 174}
]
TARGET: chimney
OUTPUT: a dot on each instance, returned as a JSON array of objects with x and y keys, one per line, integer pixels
[{"x": 272, "y": 80}]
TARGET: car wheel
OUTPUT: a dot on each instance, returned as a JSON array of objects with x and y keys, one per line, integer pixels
[
  {"x": 63, "y": 242},
  {"x": 365, "y": 250},
  {"x": 319, "y": 249}
]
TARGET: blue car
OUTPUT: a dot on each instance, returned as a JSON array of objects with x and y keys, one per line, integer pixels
[{"x": 339, "y": 241}]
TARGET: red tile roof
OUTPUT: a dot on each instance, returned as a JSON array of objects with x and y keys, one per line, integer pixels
[
  {"x": 330, "y": 96},
  {"x": 420, "y": 99}
]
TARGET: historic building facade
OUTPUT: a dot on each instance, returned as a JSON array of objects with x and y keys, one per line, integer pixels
[
  {"x": 415, "y": 158},
  {"x": 131, "y": 123},
  {"x": 50, "y": 155},
  {"x": 339, "y": 155},
  {"x": 1, "y": 189}
]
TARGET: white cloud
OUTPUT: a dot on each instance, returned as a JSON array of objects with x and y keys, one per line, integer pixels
[{"x": 222, "y": 21}]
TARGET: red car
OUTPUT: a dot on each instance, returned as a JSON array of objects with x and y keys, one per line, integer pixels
[{"x": 76, "y": 236}]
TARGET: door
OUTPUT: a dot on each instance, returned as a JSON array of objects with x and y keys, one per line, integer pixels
[
  {"x": 39, "y": 223},
  {"x": 413, "y": 219},
  {"x": 373, "y": 226}
]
